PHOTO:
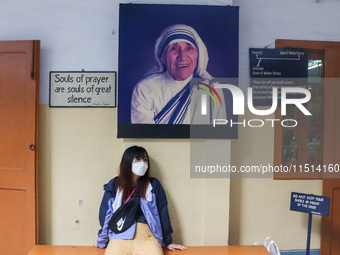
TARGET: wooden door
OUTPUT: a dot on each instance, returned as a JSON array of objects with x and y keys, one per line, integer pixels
[
  {"x": 330, "y": 229},
  {"x": 330, "y": 232},
  {"x": 19, "y": 81}
]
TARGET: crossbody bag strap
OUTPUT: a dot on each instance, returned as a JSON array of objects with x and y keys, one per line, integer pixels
[{"x": 130, "y": 195}]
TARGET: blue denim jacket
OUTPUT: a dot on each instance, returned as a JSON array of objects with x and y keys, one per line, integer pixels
[{"x": 155, "y": 212}]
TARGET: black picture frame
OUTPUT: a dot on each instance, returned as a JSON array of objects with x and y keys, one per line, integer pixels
[{"x": 139, "y": 27}]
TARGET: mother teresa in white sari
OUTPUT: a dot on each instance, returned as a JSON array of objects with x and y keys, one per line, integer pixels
[{"x": 164, "y": 95}]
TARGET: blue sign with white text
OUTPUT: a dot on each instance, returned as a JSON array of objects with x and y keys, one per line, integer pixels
[{"x": 308, "y": 203}]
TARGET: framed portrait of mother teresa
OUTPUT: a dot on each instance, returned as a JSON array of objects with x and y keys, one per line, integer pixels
[{"x": 171, "y": 58}]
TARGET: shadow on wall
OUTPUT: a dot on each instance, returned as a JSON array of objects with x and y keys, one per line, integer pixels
[
  {"x": 235, "y": 211},
  {"x": 44, "y": 177},
  {"x": 174, "y": 217}
]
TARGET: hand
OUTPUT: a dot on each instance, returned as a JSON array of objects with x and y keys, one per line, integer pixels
[{"x": 174, "y": 247}]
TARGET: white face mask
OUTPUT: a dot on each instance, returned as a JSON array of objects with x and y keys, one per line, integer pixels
[{"x": 139, "y": 168}]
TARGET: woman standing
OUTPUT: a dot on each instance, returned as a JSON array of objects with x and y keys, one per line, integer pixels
[{"x": 151, "y": 226}]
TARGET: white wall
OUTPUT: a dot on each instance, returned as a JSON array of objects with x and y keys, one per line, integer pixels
[
  {"x": 78, "y": 148},
  {"x": 264, "y": 21},
  {"x": 75, "y": 35}
]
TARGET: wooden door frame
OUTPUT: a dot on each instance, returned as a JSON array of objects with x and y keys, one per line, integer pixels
[{"x": 36, "y": 77}]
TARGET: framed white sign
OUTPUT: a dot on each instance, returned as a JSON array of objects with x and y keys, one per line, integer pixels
[{"x": 82, "y": 89}]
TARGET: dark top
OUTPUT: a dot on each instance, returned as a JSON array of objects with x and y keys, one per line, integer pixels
[{"x": 139, "y": 214}]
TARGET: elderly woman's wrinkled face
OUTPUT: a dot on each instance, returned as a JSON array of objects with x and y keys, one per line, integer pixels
[{"x": 180, "y": 59}]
